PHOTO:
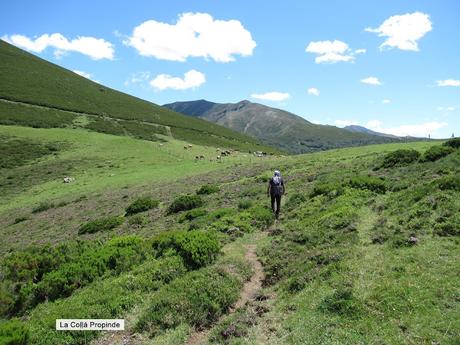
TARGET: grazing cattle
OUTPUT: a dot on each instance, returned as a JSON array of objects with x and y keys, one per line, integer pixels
[
  {"x": 185, "y": 147},
  {"x": 68, "y": 179},
  {"x": 189, "y": 146},
  {"x": 218, "y": 158},
  {"x": 201, "y": 157}
]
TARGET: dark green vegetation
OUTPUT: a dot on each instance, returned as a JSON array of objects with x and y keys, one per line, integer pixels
[
  {"x": 400, "y": 157},
  {"x": 184, "y": 203},
  {"x": 36, "y": 93},
  {"x": 357, "y": 248},
  {"x": 141, "y": 205},
  {"x": 103, "y": 224},
  {"x": 277, "y": 128}
]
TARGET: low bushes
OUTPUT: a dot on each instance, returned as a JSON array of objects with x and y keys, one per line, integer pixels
[
  {"x": 141, "y": 205},
  {"x": 103, "y": 224},
  {"x": 454, "y": 143},
  {"x": 43, "y": 206},
  {"x": 244, "y": 204},
  {"x": 197, "y": 248},
  {"x": 192, "y": 214},
  {"x": 436, "y": 152},
  {"x": 330, "y": 189},
  {"x": 371, "y": 183},
  {"x": 208, "y": 189},
  {"x": 184, "y": 203},
  {"x": 400, "y": 157},
  {"x": 13, "y": 332},
  {"x": 198, "y": 298},
  {"x": 449, "y": 183},
  {"x": 341, "y": 301}
]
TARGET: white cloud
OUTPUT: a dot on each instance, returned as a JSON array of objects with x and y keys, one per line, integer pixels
[
  {"x": 330, "y": 51},
  {"x": 360, "y": 51},
  {"x": 95, "y": 48},
  {"x": 446, "y": 108},
  {"x": 448, "y": 82},
  {"x": 386, "y": 101},
  {"x": 137, "y": 78},
  {"x": 403, "y": 31},
  {"x": 313, "y": 91},
  {"x": 316, "y": 122},
  {"x": 192, "y": 79},
  {"x": 83, "y": 74},
  {"x": 271, "y": 96},
  {"x": 414, "y": 130},
  {"x": 371, "y": 81},
  {"x": 194, "y": 35}
]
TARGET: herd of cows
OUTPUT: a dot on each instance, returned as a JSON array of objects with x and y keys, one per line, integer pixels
[{"x": 222, "y": 153}]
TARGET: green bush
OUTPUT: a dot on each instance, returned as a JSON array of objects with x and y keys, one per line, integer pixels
[
  {"x": 261, "y": 217},
  {"x": 197, "y": 248},
  {"x": 244, "y": 204},
  {"x": 295, "y": 200},
  {"x": 192, "y": 214},
  {"x": 198, "y": 298},
  {"x": 330, "y": 189},
  {"x": 13, "y": 332},
  {"x": 208, "y": 189},
  {"x": 454, "y": 143},
  {"x": 400, "y": 157},
  {"x": 141, "y": 205},
  {"x": 138, "y": 220},
  {"x": 103, "y": 224},
  {"x": 184, "y": 203},
  {"x": 449, "y": 183},
  {"x": 43, "y": 206},
  {"x": 371, "y": 183},
  {"x": 436, "y": 152}
]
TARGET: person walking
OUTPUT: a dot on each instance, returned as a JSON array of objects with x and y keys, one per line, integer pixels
[{"x": 275, "y": 190}]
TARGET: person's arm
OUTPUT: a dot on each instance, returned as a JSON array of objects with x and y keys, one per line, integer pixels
[
  {"x": 268, "y": 188},
  {"x": 284, "y": 187}
]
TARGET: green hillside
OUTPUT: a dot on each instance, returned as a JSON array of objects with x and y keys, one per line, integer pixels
[
  {"x": 366, "y": 250},
  {"x": 276, "y": 127},
  {"x": 37, "y": 93}
]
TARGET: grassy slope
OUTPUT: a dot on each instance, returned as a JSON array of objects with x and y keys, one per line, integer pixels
[
  {"x": 27, "y": 78},
  {"x": 337, "y": 267}
]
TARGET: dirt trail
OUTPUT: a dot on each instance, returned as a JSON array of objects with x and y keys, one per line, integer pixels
[{"x": 248, "y": 294}]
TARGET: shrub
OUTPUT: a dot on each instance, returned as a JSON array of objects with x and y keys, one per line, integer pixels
[
  {"x": 43, "y": 206},
  {"x": 13, "y": 332},
  {"x": 184, "y": 203},
  {"x": 454, "y": 143},
  {"x": 436, "y": 152},
  {"x": 208, "y": 189},
  {"x": 262, "y": 217},
  {"x": 400, "y": 157},
  {"x": 449, "y": 182},
  {"x": 371, "y": 183},
  {"x": 197, "y": 248},
  {"x": 138, "y": 220},
  {"x": 141, "y": 205},
  {"x": 103, "y": 224},
  {"x": 295, "y": 200},
  {"x": 330, "y": 189},
  {"x": 198, "y": 298},
  {"x": 20, "y": 220},
  {"x": 244, "y": 204},
  {"x": 192, "y": 214}
]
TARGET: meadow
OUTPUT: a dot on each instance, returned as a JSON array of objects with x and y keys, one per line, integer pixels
[{"x": 366, "y": 250}]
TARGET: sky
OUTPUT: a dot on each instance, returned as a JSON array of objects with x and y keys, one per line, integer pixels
[{"x": 392, "y": 66}]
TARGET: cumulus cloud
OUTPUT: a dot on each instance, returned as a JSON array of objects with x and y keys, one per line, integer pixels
[
  {"x": 191, "y": 80},
  {"x": 446, "y": 108},
  {"x": 194, "y": 35},
  {"x": 403, "y": 31},
  {"x": 386, "y": 101},
  {"x": 448, "y": 82},
  {"x": 271, "y": 96},
  {"x": 330, "y": 51},
  {"x": 360, "y": 51},
  {"x": 83, "y": 74},
  {"x": 313, "y": 91},
  {"x": 371, "y": 81},
  {"x": 95, "y": 48}
]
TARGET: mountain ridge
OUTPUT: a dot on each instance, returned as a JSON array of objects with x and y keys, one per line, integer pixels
[{"x": 275, "y": 127}]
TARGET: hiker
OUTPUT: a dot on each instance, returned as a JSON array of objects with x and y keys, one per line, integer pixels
[{"x": 275, "y": 190}]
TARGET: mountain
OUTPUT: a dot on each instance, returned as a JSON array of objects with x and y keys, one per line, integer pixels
[
  {"x": 275, "y": 127},
  {"x": 37, "y": 93},
  {"x": 361, "y": 129}
]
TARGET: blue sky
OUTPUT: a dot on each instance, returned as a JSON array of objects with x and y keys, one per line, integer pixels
[{"x": 392, "y": 66}]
